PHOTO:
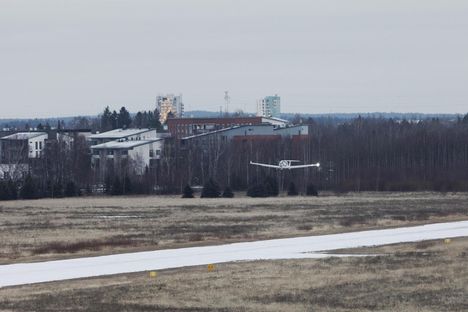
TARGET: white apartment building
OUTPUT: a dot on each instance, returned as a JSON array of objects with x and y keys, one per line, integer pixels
[
  {"x": 18, "y": 147},
  {"x": 169, "y": 103},
  {"x": 115, "y": 155},
  {"x": 123, "y": 135},
  {"x": 18, "y": 150},
  {"x": 269, "y": 106},
  {"x": 116, "y": 149}
]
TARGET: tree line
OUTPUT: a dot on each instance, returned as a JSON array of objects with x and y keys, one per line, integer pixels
[
  {"x": 363, "y": 154},
  {"x": 110, "y": 120}
]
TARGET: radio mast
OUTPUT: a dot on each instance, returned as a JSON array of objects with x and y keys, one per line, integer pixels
[{"x": 227, "y": 101}]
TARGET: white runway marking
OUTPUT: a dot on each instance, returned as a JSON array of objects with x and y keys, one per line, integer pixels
[{"x": 287, "y": 248}]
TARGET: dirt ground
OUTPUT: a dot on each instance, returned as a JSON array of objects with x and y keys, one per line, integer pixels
[
  {"x": 62, "y": 228},
  {"x": 424, "y": 276}
]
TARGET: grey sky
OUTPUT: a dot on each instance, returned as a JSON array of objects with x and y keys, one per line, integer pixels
[{"x": 73, "y": 57}]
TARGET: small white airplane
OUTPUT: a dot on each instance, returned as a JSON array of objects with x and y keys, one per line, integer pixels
[{"x": 285, "y": 165}]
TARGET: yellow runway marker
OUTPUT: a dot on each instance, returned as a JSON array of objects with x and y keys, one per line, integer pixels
[
  {"x": 447, "y": 241},
  {"x": 153, "y": 274},
  {"x": 211, "y": 267}
]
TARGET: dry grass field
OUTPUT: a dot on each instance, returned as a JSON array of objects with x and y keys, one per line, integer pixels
[
  {"x": 62, "y": 228},
  {"x": 428, "y": 276}
]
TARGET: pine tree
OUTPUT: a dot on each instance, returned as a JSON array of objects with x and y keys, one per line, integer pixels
[
  {"x": 138, "y": 120},
  {"x": 227, "y": 193},
  {"x": 257, "y": 190},
  {"x": 188, "y": 192},
  {"x": 465, "y": 119},
  {"x": 114, "y": 120},
  {"x": 106, "y": 123},
  {"x": 311, "y": 190},
  {"x": 210, "y": 190},
  {"x": 170, "y": 115},
  {"x": 123, "y": 119},
  {"x": 271, "y": 186},
  {"x": 156, "y": 122}
]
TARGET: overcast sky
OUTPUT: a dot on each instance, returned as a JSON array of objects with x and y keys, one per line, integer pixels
[{"x": 73, "y": 57}]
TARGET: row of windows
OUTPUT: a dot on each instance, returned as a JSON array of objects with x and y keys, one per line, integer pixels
[
  {"x": 132, "y": 139},
  {"x": 39, "y": 145},
  {"x": 112, "y": 152},
  {"x": 125, "y": 153}
]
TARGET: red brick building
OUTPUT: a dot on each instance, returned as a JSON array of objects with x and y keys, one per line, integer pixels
[{"x": 184, "y": 127}]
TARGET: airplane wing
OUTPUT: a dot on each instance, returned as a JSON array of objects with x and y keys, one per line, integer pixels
[
  {"x": 265, "y": 165},
  {"x": 304, "y": 166}
]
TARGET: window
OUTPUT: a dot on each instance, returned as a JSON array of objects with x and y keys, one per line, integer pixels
[
  {"x": 95, "y": 152},
  {"x": 124, "y": 153},
  {"x": 110, "y": 152},
  {"x": 151, "y": 153},
  {"x": 40, "y": 145},
  {"x": 36, "y": 145},
  {"x": 158, "y": 152}
]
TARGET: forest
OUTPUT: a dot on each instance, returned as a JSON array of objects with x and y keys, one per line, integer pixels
[{"x": 362, "y": 154}]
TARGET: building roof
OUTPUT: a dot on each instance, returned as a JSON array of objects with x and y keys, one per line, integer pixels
[
  {"x": 211, "y": 132},
  {"x": 285, "y": 129},
  {"x": 276, "y": 119},
  {"x": 123, "y": 145},
  {"x": 73, "y": 130},
  {"x": 274, "y": 131},
  {"x": 119, "y": 133},
  {"x": 220, "y": 120},
  {"x": 23, "y": 135},
  {"x": 224, "y": 130}
]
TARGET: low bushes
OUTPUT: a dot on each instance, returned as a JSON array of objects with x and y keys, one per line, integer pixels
[
  {"x": 210, "y": 189},
  {"x": 188, "y": 192}
]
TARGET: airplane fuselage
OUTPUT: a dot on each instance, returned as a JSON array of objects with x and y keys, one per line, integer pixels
[{"x": 285, "y": 165}]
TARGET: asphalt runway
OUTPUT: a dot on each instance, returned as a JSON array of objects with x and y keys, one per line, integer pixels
[{"x": 287, "y": 248}]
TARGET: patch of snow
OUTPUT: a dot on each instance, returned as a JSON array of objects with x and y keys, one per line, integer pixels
[{"x": 287, "y": 248}]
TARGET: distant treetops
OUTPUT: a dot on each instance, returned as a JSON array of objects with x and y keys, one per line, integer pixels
[{"x": 111, "y": 120}]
